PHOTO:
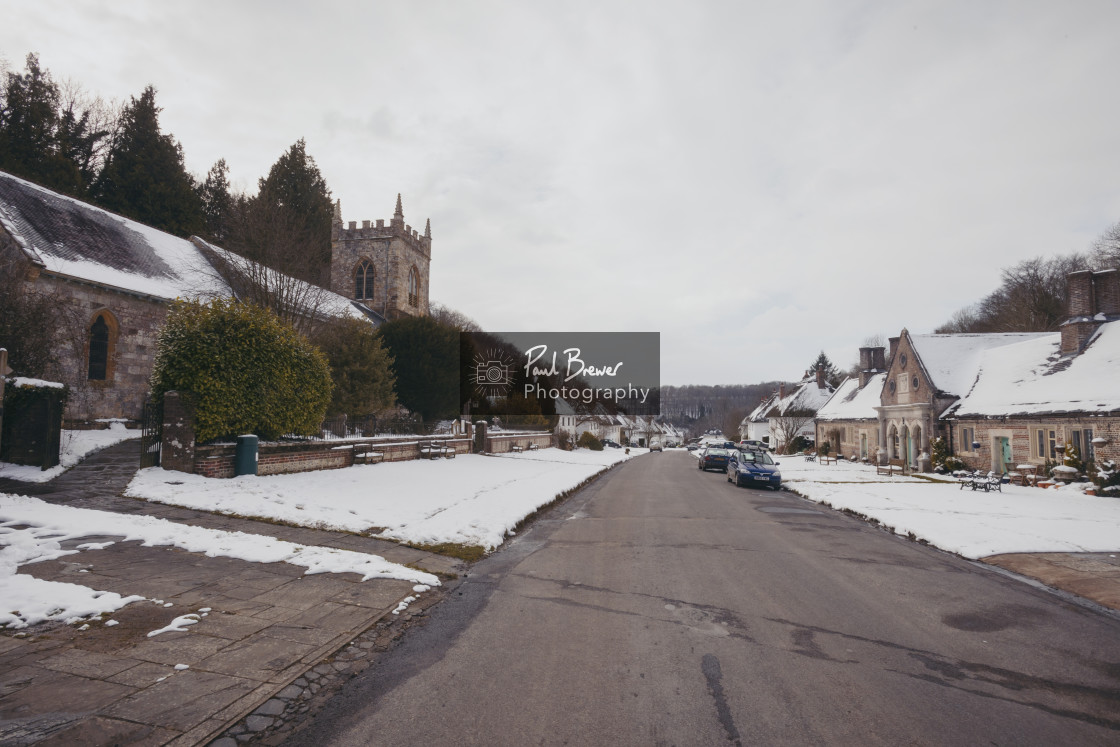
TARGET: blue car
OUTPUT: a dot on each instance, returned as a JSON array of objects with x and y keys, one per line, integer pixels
[
  {"x": 713, "y": 457},
  {"x": 753, "y": 468}
]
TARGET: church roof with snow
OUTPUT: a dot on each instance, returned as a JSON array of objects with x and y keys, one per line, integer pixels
[{"x": 76, "y": 241}]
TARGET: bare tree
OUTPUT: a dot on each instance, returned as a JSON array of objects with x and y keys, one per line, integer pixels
[
  {"x": 1106, "y": 248},
  {"x": 786, "y": 426},
  {"x": 453, "y": 318},
  {"x": 300, "y": 304}
]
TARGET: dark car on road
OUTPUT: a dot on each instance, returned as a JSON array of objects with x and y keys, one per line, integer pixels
[
  {"x": 612, "y": 444},
  {"x": 752, "y": 468},
  {"x": 713, "y": 458}
]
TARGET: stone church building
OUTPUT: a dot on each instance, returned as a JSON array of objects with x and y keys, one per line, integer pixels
[
  {"x": 114, "y": 280},
  {"x": 385, "y": 267}
]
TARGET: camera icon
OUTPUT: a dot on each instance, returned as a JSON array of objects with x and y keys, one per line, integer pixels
[{"x": 492, "y": 373}]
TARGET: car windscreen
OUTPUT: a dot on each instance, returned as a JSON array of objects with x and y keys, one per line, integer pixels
[{"x": 716, "y": 452}]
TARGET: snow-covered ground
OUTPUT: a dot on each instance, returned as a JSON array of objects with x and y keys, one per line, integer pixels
[
  {"x": 74, "y": 447},
  {"x": 972, "y": 524},
  {"x": 32, "y": 531},
  {"x": 471, "y": 500}
]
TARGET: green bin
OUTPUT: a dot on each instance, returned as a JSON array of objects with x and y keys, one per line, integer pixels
[{"x": 245, "y": 459}]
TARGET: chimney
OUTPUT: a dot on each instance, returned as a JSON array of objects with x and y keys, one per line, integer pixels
[
  {"x": 1106, "y": 288},
  {"x": 1079, "y": 288},
  {"x": 894, "y": 349},
  {"x": 865, "y": 359},
  {"x": 877, "y": 361},
  {"x": 820, "y": 377},
  {"x": 781, "y": 391},
  {"x": 1081, "y": 325}
]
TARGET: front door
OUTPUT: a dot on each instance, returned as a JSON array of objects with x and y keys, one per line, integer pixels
[{"x": 1002, "y": 455}]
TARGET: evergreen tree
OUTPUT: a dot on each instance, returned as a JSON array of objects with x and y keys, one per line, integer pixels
[
  {"x": 217, "y": 203},
  {"x": 426, "y": 361},
  {"x": 144, "y": 177},
  {"x": 294, "y": 196},
  {"x": 832, "y": 375}
]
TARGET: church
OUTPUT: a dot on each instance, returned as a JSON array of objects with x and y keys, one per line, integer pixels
[{"x": 114, "y": 280}]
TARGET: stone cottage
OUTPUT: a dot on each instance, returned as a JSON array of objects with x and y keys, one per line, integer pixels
[{"x": 849, "y": 422}]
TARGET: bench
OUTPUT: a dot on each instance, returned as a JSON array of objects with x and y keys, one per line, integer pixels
[
  {"x": 364, "y": 454},
  {"x": 517, "y": 448},
  {"x": 534, "y": 447},
  {"x": 891, "y": 468},
  {"x": 434, "y": 450},
  {"x": 982, "y": 481},
  {"x": 810, "y": 457},
  {"x": 826, "y": 459}
]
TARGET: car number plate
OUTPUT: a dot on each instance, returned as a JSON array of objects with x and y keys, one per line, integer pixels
[{"x": 764, "y": 478}]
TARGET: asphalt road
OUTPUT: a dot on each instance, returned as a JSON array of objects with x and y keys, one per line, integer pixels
[{"x": 662, "y": 605}]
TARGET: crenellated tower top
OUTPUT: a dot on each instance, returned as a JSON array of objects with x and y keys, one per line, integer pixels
[{"x": 397, "y": 228}]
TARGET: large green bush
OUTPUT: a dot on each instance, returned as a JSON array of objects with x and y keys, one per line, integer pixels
[
  {"x": 588, "y": 440},
  {"x": 247, "y": 371}
]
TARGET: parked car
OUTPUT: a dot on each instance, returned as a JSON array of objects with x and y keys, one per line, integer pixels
[
  {"x": 612, "y": 444},
  {"x": 751, "y": 443},
  {"x": 655, "y": 446},
  {"x": 693, "y": 447},
  {"x": 753, "y": 468},
  {"x": 713, "y": 457}
]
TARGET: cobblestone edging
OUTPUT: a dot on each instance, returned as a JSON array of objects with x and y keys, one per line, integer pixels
[{"x": 278, "y": 718}]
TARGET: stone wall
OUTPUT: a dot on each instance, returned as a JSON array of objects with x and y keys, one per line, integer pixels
[{"x": 134, "y": 324}]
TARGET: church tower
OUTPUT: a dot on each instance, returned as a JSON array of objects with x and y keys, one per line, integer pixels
[{"x": 383, "y": 267}]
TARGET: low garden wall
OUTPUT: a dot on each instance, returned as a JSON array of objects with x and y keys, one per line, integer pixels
[
  {"x": 504, "y": 441},
  {"x": 217, "y": 460}
]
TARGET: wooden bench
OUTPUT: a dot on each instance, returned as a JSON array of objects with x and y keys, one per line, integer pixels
[
  {"x": 534, "y": 447},
  {"x": 891, "y": 468},
  {"x": 364, "y": 454},
  {"x": 517, "y": 448},
  {"x": 826, "y": 459},
  {"x": 810, "y": 457}
]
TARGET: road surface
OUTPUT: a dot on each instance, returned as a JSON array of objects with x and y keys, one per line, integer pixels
[{"x": 664, "y": 606}]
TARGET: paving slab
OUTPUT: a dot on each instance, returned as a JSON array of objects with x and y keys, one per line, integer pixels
[{"x": 1094, "y": 576}]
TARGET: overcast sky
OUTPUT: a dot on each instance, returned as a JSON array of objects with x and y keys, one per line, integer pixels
[{"x": 755, "y": 181}]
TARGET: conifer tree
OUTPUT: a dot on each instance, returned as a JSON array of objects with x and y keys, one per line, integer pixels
[
  {"x": 144, "y": 176},
  {"x": 294, "y": 196},
  {"x": 217, "y": 203},
  {"x": 832, "y": 375}
]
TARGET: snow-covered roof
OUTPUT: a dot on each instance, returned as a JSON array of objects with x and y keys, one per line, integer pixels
[
  {"x": 761, "y": 413},
  {"x": 850, "y": 402},
  {"x": 1031, "y": 377},
  {"x": 807, "y": 397},
  {"x": 71, "y": 238},
  {"x": 952, "y": 361}
]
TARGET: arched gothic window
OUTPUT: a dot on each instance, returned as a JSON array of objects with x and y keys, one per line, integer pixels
[
  {"x": 363, "y": 281},
  {"x": 100, "y": 346},
  {"x": 413, "y": 287}
]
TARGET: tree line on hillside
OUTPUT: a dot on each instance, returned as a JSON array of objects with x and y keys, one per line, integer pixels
[
  {"x": 117, "y": 157},
  {"x": 1032, "y": 295}
]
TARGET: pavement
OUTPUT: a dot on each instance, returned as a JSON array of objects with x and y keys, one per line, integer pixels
[{"x": 272, "y": 638}]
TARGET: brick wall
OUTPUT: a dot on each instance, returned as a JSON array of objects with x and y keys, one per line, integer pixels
[
  {"x": 500, "y": 443},
  {"x": 1022, "y": 435},
  {"x": 217, "y": 460}
]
